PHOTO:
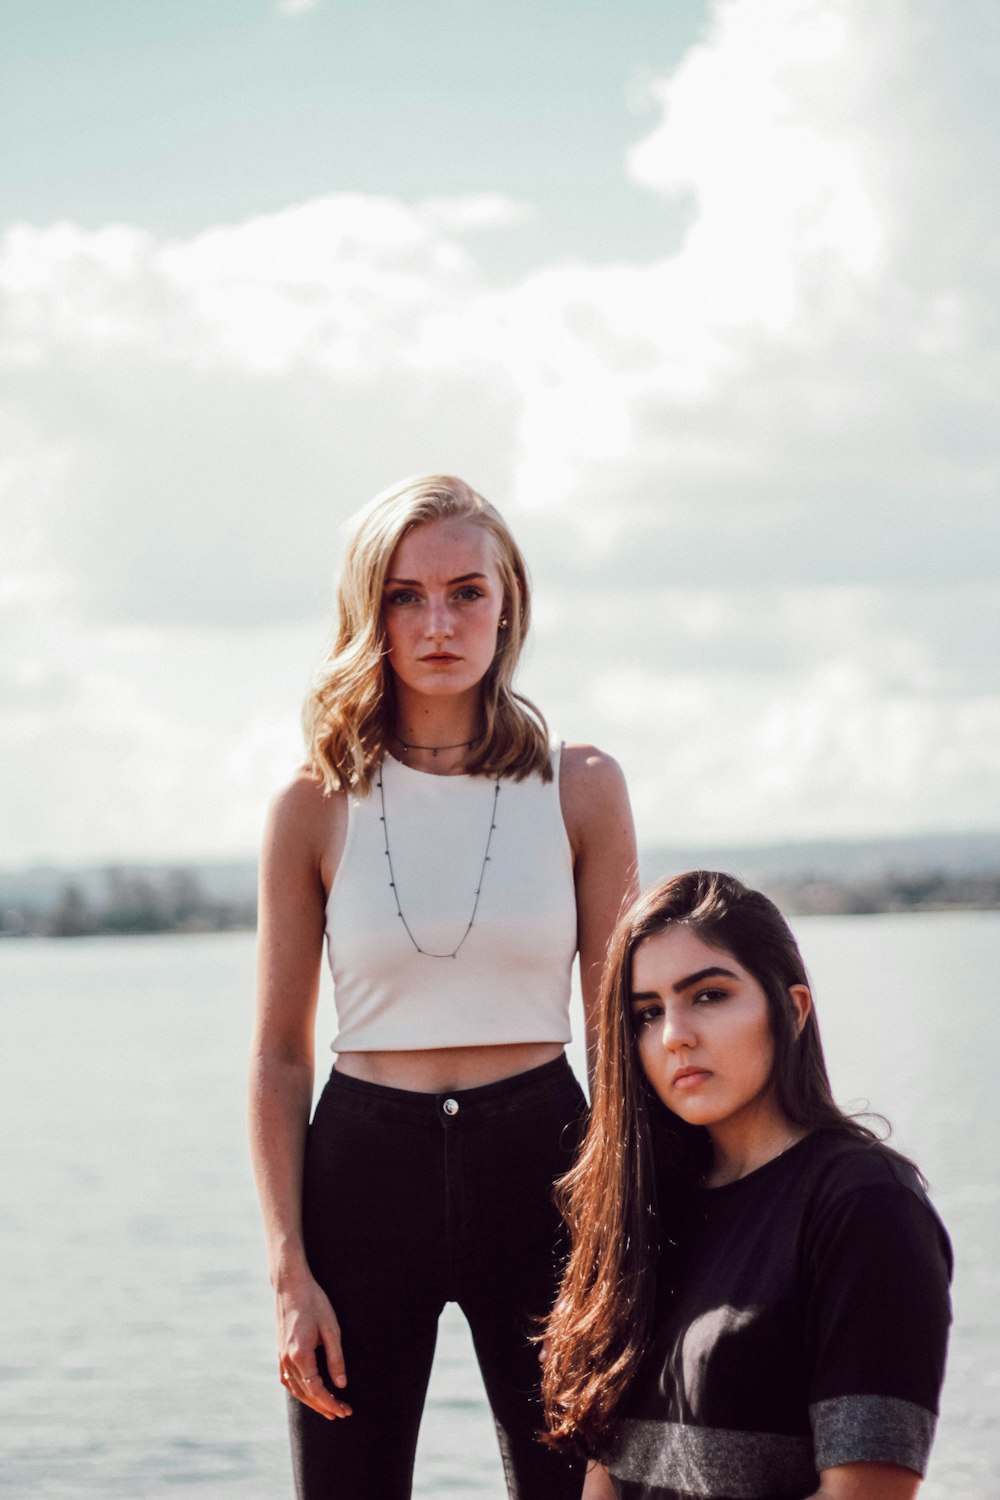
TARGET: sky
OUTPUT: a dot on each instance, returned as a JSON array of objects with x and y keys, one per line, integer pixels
[{"x": 703, "y": 294}]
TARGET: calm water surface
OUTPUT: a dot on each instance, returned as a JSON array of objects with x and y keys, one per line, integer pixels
[{"x": 137, "y": 1355}]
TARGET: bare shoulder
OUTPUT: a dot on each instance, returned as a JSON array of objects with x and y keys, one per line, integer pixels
[
  {"x": 586, "y": 771},
  {"x": 599, "y": 825},
  {"x": 592, "y": 790},
  {"x": 302, "y": 806},
  {"x": 306, "y": 825}
]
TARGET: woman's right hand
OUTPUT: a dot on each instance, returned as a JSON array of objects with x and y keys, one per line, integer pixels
[{"x": 307, "y": 1322}]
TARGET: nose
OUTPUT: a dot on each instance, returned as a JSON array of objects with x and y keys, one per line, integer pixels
[
  {"x": 676, "y": 1028},
  {"x": 438, "y": 619}
]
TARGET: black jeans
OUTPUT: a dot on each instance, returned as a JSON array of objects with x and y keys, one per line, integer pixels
[{"x": 411, "y": 1200}]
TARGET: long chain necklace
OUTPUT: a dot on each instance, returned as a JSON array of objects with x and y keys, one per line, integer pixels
[{"x": 479, "y": 883}]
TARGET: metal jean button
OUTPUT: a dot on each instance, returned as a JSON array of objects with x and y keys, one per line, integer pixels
[{"x": 450, "y": 1106}]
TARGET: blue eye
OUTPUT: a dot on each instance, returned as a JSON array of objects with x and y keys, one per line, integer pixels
[{"x": 402, "y": 596}]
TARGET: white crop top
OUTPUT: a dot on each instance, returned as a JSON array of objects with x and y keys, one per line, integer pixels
[{"x": 510, "y": 981}]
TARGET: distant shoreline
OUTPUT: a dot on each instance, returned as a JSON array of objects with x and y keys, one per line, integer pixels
[
  {"x": 124, "y": 901},
  {"x": 940, "y": 872}
]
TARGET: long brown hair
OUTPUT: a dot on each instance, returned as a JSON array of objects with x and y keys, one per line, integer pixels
[
  {"x": 349, "y": 712},
  {"x": 637, "y": 1157}
]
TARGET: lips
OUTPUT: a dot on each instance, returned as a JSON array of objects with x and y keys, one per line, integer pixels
[
  {"x": 689, "y": 1078},
  {"x": 439, "y": 656}
]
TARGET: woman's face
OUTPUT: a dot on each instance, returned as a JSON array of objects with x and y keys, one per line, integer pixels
[
  {"x": 702, "y": 1030},
  {"x": 441, "y": 607}
]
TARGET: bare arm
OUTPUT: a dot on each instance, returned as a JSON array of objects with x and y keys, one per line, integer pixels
[
  {"x": 302, "y": 825},
  {"x": 867, "y": 1482},
  {"x": 597, "y": 1484},
  {"x": 599, "y": 822}
]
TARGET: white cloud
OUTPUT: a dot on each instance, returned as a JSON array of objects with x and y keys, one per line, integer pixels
[
  {"x": 742, "y": 714},
  {"x": 767, "y": 124},
  {"x": 804, "y": 393},
  {"x": 146, "y": 742}
]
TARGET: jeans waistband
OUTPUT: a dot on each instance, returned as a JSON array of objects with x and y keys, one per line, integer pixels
[{"x": 482, "y": 1102}]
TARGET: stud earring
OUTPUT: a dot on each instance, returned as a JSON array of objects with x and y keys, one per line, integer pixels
[{"x": 503, "y": 622}]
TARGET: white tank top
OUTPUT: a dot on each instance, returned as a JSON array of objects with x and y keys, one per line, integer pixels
[{"x": 510, "y": 980}]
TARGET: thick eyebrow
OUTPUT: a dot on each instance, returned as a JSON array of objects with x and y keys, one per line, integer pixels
[
  {"x": 715, "y": 972},
  {"x": 414, "y": 583}
]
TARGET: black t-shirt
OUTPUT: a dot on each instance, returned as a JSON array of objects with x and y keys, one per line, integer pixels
[{"x": 803, "y": 1320}]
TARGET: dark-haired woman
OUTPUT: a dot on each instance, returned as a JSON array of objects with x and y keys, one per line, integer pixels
[
  {"x": 756, "y": 1303},
  {"x": 454, "y": 860}
]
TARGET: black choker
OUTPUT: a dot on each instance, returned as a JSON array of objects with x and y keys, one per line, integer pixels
[{"x": 462, "y": 745}]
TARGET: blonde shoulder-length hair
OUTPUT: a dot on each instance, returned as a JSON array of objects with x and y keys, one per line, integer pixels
[{"x": 349, "y": 713}]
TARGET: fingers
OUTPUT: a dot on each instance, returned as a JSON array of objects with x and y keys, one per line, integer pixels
[
  {"x": 310, "y": 1363},
  {"x": 330, "y": 1334},
  {"x": 301, "y": 1378}
]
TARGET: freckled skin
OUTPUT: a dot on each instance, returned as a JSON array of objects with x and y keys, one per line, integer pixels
[{"x": 441, "y": 610}]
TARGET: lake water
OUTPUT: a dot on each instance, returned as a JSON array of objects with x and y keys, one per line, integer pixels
[{"x": 137, "y": 1357}]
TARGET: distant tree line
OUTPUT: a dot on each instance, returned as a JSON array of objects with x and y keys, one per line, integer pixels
[
  {"x": 887, "y": 892},
  {"x": 174, "y": 900},
  {"x": 133, "y": 901}
]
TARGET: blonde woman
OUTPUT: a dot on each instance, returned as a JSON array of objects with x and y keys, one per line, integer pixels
[{"x": 455, "y": 861}]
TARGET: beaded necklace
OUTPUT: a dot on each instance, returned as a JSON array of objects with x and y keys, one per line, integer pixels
[{"x": 479, "y": 883}]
